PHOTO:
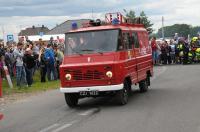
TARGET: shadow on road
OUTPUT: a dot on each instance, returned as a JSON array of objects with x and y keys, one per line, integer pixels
[{"x": 153, "y": 95}]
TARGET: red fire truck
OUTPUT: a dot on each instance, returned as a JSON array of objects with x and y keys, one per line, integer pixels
[{"x": 105, "y": 59}]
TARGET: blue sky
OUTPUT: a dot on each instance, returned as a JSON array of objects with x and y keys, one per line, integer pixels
[{"x": 19, "y": 14}]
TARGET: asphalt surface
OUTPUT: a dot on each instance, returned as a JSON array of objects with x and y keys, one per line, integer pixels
[{"x": 171, "y": 105}]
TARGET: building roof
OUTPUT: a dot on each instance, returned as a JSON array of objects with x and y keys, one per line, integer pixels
[
  {"x": 34, "y": 31},
  {"x": 66, "y": 26}
]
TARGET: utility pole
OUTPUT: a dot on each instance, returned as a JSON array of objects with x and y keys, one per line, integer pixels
[
  {"x": 92, "y": 14},
  {"x": 163, "y": 32}
]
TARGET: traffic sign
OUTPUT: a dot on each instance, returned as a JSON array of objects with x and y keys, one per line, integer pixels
[
  {"x": 41, "y": 34},
  {"x": 10, "y": 37}
]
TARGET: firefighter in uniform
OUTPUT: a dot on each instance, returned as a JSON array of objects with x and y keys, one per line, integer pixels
[
  {"x": 193, "y": 46},
  {"x": 186, "y": 50},
  {"x": 179, "y": 50}
]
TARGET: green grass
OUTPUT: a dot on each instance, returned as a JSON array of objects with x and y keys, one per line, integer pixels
[{"x": 36, "y": 87}]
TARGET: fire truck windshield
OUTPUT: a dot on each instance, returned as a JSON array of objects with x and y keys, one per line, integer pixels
[{"x": 91, "y": 42}]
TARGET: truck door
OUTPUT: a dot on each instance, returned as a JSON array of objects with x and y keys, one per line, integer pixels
[
  {"x": 130, "y": 56},
  {"x": 136, "y": 50},
  {"x": 142, "y": 56}
]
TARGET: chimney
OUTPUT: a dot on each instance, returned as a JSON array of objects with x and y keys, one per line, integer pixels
[{"x": 33, "y": 27}]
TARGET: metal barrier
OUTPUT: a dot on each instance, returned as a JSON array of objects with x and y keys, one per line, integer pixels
[{"x": 8, "y": 76}]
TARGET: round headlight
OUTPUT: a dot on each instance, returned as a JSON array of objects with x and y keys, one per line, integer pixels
[
  {"x": 68, "y": 76},
  {"x": 109, "y": 74}
]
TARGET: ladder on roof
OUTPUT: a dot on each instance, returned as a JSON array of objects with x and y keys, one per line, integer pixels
[{"x": 109, "y": 17}]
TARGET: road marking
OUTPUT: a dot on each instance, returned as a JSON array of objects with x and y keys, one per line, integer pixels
[
  {"x": 64, "y": 126},
  {"x": 89, "y": 112},
  {"x": 49, "y": 128}
]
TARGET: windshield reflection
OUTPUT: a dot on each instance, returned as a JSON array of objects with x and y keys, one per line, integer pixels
[{"x": 91, "y": 42}]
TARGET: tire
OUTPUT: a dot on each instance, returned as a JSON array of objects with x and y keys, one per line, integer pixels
[
  {"x": 122, "y": 95},
  {"x": 71, "y": 99},
  {"x": 143, "y": 85}
]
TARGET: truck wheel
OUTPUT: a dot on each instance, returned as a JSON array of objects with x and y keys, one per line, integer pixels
[
  {"x": 122, "y": 95},
  {"x": 71, "y": 99},
  {"x": 143, "y": 85}
]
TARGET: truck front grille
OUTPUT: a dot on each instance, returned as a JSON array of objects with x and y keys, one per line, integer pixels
[{"x": 87, "y": 75}]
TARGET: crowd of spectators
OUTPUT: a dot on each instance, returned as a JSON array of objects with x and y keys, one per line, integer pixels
[
  {"x": 25, "y": 58},
  {"x": 175, "y": 51},
  {"x": 163, "y": 51}
]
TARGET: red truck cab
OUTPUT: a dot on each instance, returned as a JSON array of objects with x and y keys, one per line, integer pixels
[{"x": 106, "y": 60}]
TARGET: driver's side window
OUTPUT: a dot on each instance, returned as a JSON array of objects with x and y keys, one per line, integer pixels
[
  {"x": 127, "y": 41},
  {"x": 135, "y": 40},
  {"x": 120, "y": 46}
]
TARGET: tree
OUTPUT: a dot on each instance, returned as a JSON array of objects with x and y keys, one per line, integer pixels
[
  {"x": 147, "y": 23},
  {"x": 130, "y": 14},
  {"x": 144, "y": 19},
  {"x": 195, "y": 31},
  {"x": 182, "y": 29}
]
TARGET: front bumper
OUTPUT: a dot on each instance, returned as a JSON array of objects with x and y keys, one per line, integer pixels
[{"x": 92, "y": 88}]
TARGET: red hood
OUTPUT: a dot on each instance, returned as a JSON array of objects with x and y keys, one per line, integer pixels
[{"x": 89, "y": 59}]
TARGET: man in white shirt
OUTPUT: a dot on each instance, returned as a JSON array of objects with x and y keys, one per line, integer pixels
[{"x": 20, "y": 70}]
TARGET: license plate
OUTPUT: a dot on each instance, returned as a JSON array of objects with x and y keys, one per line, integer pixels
[{"x": 89, "y": 93}]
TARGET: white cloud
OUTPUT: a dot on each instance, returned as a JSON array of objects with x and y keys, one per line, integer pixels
[
  {"x": 174, "y": 11},
  {"x": 13, "y": 25},
  {"x": 178, "y": 11}
]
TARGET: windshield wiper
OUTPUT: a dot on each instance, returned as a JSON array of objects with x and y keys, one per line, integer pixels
[
  {"x": 100, "y": 52},
  {"x": 77, "y": 52},
  {"x": 90, "y": 50},
  {"x": 87, "y": 50}
]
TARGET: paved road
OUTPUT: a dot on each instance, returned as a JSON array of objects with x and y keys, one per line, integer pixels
[{"x": 171, "y": 105}]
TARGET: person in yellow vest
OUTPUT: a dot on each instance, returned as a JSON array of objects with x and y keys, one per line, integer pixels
[
  {"x": 179, "y": 50},
  {"x": 186, "y": 50},
  {"x": 193, "y": 46}
]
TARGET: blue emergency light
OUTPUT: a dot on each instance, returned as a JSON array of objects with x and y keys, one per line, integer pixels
[
  {"x": 115, "y": 21},
  {"x": 74, "y": 25}
]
